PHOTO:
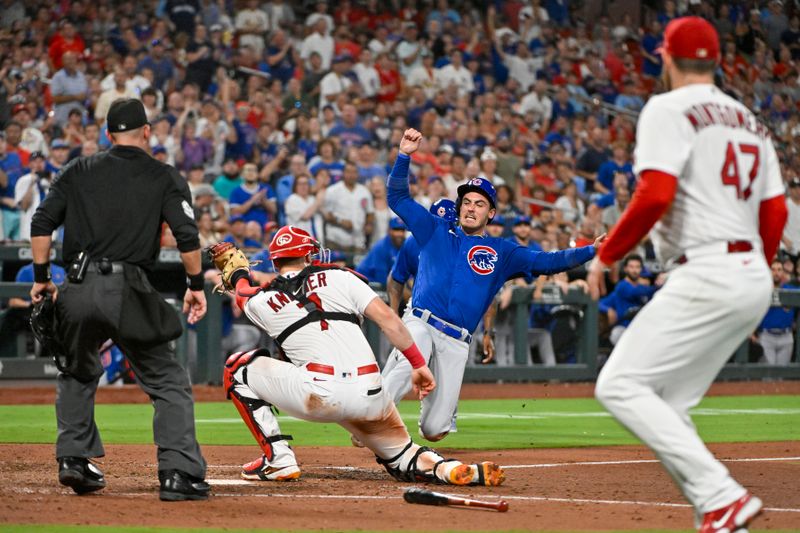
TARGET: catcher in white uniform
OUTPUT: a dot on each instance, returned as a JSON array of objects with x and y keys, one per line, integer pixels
[
  {"x": 314, "y": 312},
  {"x": 709, "y": 175}
]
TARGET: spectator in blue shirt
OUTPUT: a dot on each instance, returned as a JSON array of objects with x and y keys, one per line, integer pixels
[
  {"x": 522, "y": 233},
  {"x": 628, "y": 99},
  {"x": 368, "y": 166},
  {"x": 10, "y": 171},
  {"x": 562, "y": 107},
  {"x": 775, "y": 333},
  {"x": 631, "y": 294},
  {"x": 379, "y": 261},
  {"x": 620, "y": 162},
  {"x": 349, "y": 130},
  {"x": 160, "y": 64},
  {"x": 242, "y": 148},
  {"x": 252, "y": 200},
  {"x": 326, "y": 159}
]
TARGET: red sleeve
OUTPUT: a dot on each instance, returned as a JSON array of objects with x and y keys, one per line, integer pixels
[
  {"x": 653, "y": 196},
  {"x": 244, "y": 291},
  {"x": 772, "y": 215}
]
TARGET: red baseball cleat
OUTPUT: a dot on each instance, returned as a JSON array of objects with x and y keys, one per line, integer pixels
[{"x": 732, "y": 517}]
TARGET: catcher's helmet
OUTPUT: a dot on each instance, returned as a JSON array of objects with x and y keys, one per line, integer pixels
[
  {"x": 291, "y": 241},
  {"x": 444, "y": 208}
]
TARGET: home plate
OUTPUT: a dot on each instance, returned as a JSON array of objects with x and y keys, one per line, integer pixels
[{"x": 228, "y": 482}]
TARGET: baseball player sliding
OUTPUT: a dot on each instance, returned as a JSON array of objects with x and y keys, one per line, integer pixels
[
  {"x": 709, "y": 181},
  {"x": 460, "y": 271},
  {"x": 314, "y": 311}
]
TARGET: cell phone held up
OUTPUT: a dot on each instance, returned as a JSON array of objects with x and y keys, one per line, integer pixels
[{"x": 77, "y": 268}]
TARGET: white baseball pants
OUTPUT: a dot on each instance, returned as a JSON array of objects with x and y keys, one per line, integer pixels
[
  {"x": 670, "y": 355},
  {"x": 446, "y": 358}
]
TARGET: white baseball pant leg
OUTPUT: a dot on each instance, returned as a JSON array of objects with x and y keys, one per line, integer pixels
[
  {"x": 447, "y": 358},
  {"x": 670, "y": 355},
  {"x": 777, "y": 348},
  {"x": 397, "y": 371}
]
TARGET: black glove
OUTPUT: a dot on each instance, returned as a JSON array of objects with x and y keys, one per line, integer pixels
[{"x": 43, "y": 325}]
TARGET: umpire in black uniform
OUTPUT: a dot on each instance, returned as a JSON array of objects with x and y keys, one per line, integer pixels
[{"x": 112, "y": 205}]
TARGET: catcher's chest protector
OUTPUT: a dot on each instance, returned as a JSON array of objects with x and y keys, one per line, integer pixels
[{"x": 295, "y": 288}]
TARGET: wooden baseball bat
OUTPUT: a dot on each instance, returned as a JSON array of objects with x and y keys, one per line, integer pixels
[{"x": 428, "y": 497}]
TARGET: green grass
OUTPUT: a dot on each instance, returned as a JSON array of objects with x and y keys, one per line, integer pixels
[{"x": 483, "y": 424}]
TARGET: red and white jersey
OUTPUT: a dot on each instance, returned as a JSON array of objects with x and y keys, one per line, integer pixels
[
  {"x": 335, "y": 342},
  {"x": 724, "y": 161}
]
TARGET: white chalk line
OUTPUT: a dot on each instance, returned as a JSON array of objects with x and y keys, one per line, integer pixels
[
  {"x": 546, "y": 499},
  {"x": 549, "y": 465},
  {"x": 550, "y": 414}
]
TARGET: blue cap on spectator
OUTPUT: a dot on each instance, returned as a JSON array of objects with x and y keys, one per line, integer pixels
[
  {"x": 59, "y": 143},
  {"x": 342, "y": 58},
  {"x": 497, "y": 221},
  {"x": 235, "y": 218},
  {"x": 396, "y": 223},
  {"x": 159, "y": 149},
  {"x": 481, "y": 186},
  {"x": 522, "y": 219}
]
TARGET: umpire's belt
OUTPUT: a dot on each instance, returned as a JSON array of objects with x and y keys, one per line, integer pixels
[
  {"x": 730, "y": 247},
  {"x": 445, "y": 327},
  {"x": 105, "y": 267},
  {"x": 329, "y": 370}
]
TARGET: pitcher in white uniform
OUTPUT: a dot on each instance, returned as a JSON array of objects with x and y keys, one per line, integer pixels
[
  {"x": 314, "y": 312},
  {"x": 710, "y": 182}
]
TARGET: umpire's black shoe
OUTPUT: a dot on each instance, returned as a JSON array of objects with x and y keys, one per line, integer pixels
[
  {"x": 177, "y": 486},
  {"x": 80, "y": 474}
]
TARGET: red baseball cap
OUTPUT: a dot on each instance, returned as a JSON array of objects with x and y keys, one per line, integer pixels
[{"x": 691, "y": 38}]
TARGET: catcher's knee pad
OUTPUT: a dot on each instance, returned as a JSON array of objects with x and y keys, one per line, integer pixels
[{"x": 234, "y": 363}]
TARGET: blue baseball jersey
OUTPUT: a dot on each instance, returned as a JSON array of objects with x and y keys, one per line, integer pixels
[
  {"x": 459, "y": 274},
  {"x": 628, "y": 297},
  {"x": 378, "y": 262},
  {"x": 407, "y": 262},
  {"x": 778, "y": 317}
]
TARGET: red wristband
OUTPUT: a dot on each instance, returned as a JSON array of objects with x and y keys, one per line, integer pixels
[{"x": 414, "y": 356}]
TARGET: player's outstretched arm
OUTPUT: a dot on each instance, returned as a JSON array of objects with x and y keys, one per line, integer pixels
[
  {"x": 399, "y": 336},
  {"x": 417, "y": 218}
]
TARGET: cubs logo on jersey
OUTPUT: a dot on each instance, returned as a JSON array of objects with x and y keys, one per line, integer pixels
[{"x": 482, "y": 259}]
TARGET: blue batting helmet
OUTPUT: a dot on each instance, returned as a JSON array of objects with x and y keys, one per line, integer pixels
[
  {"x": 482, "y": 186},
  {"x": 444, "y": 208}
]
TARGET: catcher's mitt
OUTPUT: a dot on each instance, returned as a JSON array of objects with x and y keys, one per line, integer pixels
[{"x": 228, "y": 259}]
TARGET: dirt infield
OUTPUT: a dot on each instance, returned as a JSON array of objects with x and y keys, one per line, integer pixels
[
  {"x": 555, "y": 497},
  {"x": 344, "y": 489}
]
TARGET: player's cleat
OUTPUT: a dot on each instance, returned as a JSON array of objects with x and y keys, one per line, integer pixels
[
  {"x": 262, "y": 470},
  {"x": 356, "y": 442},
  {"x": 178, "y": 486},
  {"x": 733, "y": 517},
  {"x": 487, "y": 473},
  {"x": 80, "y": 475}
]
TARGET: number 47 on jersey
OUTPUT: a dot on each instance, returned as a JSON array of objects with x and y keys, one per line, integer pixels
[{"x": 730, "y": 168}]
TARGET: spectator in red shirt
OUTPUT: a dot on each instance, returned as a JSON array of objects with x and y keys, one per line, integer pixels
[
  {"x": 66, "y": 40},
  {"x": 391, "y": 84}
]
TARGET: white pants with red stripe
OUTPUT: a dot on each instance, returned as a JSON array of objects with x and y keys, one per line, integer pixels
[{"x": 670, "y": 355}]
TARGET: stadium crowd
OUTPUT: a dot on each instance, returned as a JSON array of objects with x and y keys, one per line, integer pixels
[{"x": 281, "y": 112}]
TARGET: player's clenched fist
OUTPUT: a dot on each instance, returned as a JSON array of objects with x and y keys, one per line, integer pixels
[
  {"x": 410, "y": 141},
  {"x": 422, "y": 381}
]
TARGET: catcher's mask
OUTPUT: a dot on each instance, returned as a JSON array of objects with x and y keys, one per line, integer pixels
[
  {"x": 291, "y": 241},
  {"x": 43, "y": 326}
]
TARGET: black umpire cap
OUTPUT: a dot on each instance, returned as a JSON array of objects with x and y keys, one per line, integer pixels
[{"x": 126, "y": 114}]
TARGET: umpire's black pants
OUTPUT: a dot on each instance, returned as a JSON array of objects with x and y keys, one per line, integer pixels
[{"x": 89, "y": 314}]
